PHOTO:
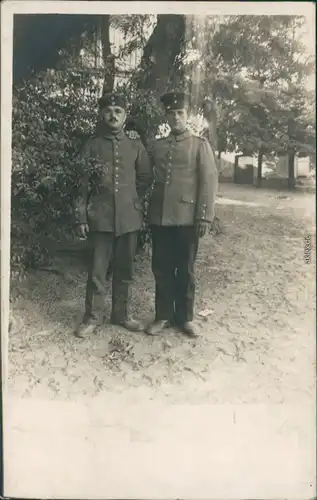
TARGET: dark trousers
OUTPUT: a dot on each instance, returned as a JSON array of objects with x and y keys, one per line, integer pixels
[
  {"x": 102, "y": 247},
  {"x": 174, "y": 253}
]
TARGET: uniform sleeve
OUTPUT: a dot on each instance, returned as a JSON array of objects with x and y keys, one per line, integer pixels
[
  {"x": 207, "y": 183},
  {"x": 144, "y": 173},
  {"x": 80, "y": 202}
]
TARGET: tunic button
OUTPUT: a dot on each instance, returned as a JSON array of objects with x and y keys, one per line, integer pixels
[{"x": 116, "y": 190}]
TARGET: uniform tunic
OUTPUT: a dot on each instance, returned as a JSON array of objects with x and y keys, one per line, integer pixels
[
  {"x": 186, "y": 181},
  {"x": 185, "y": 187},
  {"x": 117, "y": 174},
  {"x": 110, "y": 191}
]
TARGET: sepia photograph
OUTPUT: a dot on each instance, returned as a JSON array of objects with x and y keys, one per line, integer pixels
[{"x": 158, "y": 251}]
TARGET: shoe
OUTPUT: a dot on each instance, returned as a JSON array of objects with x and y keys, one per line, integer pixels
[
  {"x": 85, "y": 329},
  {"x": 189, "y": 329},
  {"x": 129, "y": 324},
  {"x": 157, "y": 327}
]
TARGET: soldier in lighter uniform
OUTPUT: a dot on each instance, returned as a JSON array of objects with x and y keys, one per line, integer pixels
[
  {"x": 109, "y": 212},
  {"x": 180, "y": 212}
]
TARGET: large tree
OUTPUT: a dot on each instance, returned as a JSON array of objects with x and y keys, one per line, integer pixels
[
  {"x": 252, "y": 61},
  {"x": 161, "y": 62}
]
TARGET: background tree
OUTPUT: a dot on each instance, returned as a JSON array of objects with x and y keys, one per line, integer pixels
[
  {"x": 251, "y": 59},
  {"x": 253, "y": 69}
]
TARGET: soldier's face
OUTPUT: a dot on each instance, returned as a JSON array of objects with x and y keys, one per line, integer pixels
[
  {"x": 177, "y": 119},
  {"x": 113, "y": 117}
]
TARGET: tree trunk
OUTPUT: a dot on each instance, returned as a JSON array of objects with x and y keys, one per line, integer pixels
[
  {"x": 158, "y": 64},
  {"x": 235, "y": 168},
  {"x": 259, "y": 172},
  {"x": 107, "y": 56},
  {"x": 291, "y": 152},
  {"x": 291, "y": 170}
]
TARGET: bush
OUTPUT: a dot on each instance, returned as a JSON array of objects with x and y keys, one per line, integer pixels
[{"x": 53, "y": 114}]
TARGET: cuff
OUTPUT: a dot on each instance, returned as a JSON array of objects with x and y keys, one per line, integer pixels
[{"x": 202, "y": 212}]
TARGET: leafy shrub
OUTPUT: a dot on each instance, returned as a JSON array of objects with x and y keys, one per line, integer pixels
[{"x": 53, "y": 114}]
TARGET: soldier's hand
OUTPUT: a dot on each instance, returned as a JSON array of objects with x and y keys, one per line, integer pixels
[
  {"x": 202, "y": 227},
  {"x": 83, "y": 230}
]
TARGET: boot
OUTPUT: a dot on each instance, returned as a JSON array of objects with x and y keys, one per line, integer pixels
[
  {"x": 129, "y": 323},
  {"x": 189, "y": 328},
  {"x": 88, "y": 326},
  {"x": 157, "y": 327}
]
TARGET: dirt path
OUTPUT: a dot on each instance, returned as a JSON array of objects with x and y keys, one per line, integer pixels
[
  {"x": 257, "y": 345},
  {"x": 114, "y": 416}
]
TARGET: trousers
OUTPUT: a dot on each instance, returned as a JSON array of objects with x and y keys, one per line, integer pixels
[
  {"x": 103, "y": 247},
  {"x": 174, "y": 252}
]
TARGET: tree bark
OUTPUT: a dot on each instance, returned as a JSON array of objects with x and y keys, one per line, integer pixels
[
  {"x": 291, "y": 170},
  {"x": 235, "y": 168},
  {"x": 259, "y": 172},
  {"x": 158, "y": 64},
  {"x": 291, "y": 152},
  {"x": 107, "y": 56}
]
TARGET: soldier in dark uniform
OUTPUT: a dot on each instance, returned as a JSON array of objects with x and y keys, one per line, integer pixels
[
  {"x": 180, "y": 212},
  {"x": 109, "y": 212}
]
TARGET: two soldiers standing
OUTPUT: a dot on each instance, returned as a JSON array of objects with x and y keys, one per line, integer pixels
[{"x": 109, "y": 214}]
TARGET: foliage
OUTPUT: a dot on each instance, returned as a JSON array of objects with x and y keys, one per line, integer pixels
[
  {"x": 253, "y": 67},
  {"x": 53, "y": 113},
  {"x": 248, "y": 64},
  {"x": 135, "y": 29}
]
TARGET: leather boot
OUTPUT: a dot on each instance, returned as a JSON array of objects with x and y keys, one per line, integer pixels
[
  {"x": 88, "y": 325},
  {"x": 157, "y": 327},
  {"x": 129, "y": 323},
  {"x": 190, "y": 329}
]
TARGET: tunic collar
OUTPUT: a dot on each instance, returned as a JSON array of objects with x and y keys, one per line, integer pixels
[
  {"x": 107, "y": 135},
  {"x": 180, "y": 137}
]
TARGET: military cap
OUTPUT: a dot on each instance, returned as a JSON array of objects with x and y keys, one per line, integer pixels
[
  {"x": 112, "y": 99},
  {"x": 174, "y": 100}
]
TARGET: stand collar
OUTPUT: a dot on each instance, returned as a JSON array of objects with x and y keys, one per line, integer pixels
[{"x": 180, "y": 137}]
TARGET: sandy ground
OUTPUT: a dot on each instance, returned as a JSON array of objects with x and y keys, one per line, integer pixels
[{"x": 257, "y": 347}]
